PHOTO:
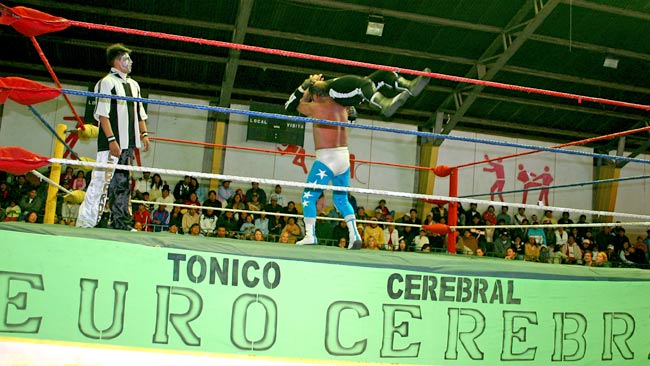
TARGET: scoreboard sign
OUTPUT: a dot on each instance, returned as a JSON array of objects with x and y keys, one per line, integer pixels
[{"x": 274, "y": 130}]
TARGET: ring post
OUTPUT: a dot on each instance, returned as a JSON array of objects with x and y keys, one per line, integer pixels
[{"x": 55, "y": 175}]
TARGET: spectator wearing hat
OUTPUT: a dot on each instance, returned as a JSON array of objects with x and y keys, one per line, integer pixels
[
  {"x": 255, "y": 189},
  {"x": 501, "y": 243},
  {"x": 274, "y": 204},
  {"x": 373, "y": 230},
  {"x": 277, "y": 194},
  {"x": 614, "y": 259},
  {"x": 166, "y": 198},
  {"x": 385, "y": 211}
]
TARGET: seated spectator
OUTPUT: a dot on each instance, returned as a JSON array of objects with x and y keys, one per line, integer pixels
[
  {"x": 340, "y": 231},
  {"x": 421, "y": 240},
  {"x": 402, "y": 246},
  {"x": 228, "y": 221},
  {"x": 68, "y": 177},
  {"x": 166, "y": 198},
  {"x": 212, "y": 201},
  {"x": 193, "y": 200},
  {"x": 137, "y": 226},
  {"x": 292, "y": 229},
  {"x": 602, "y": 260},
  {"x": 275, "y": 225},
  {"x": 489, "y": 216},
  {"x": 277, "y": 195},
  {"x": 587, "y": 260},
  {"x": 195, "y": 230},
  {"x": 190, "y": 218},
  {"x": 572, "y": 251},
  {"x": 237, "y": 203},
  {"x": 69, "y": 212},
  {"x": 291, "y": 208},
  {"x": 176, "y": 219},
  {"x": 285, "y": 238},
  {"x": 173, "y": 229},
  {"x": 142, "y": 216},
  {"x": 155, "y": 188},
  {"x": 374, "y": 231},
  {"x": 258, "y": 235},
  {"x": 371, "y": 243},
  {"x": 467, "y": 243},
  {"x": 31, "y": 202},
  {"x": 5, "y": 194},
  {"x": 361, "y": 214},
  {"x": 208, "y": 222},
  {"x": 262, "y": 223},
  {"x": 31, "y": 217},
  {"x": 79, "y": 183},
  {"x": 385, "y": 211},
  {"x": 343, "y": 242},
  {"x": 480, "y": 252},
  {"x": 511, "y": 254},
  {"x": 391, "y": 235},
  {"x": 274, "y": 205},
  {"x": 247, "y": 228},
  {"x": 532, "y": 250},
  {"x": 160, "y": 219},
  {"x": 221, "y": 232},
  {"x": 254, "y": 204}
]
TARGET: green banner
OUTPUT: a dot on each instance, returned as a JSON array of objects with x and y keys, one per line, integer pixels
[{"x": 103, "y": 293}]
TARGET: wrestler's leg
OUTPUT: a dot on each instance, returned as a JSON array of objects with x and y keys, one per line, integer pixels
[
  {"x": 342, "y": 204},
  {"x": 319, "y": 174},
  {"x": 394, "y": 81},
  {"x": 119, "y": 193},
  {"x": 89, "y": 214},
  {"x": 352, "y": 90}
]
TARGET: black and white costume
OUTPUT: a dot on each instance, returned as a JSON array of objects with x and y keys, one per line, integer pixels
[{"x": 124, "y": 118}]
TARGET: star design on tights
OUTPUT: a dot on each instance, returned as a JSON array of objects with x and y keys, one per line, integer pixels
[
  {"x": 321, "y": 173},
  {"x": 306, "y": 196}
]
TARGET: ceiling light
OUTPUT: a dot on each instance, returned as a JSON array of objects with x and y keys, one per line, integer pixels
[
  {"x": 375, "y": 25},
  {"x": 610, "y": 62}
]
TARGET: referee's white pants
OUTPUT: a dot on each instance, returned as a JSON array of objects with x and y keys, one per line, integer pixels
[{"x": 89, "y": 210}]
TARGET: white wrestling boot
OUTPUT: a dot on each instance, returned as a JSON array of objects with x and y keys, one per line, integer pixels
[
  {"x": 308, "y": 240},
  {"x": 415, "y": 86},
  {"x": 388, "y": 106}
]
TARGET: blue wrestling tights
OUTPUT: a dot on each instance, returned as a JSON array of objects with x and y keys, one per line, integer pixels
[{"x": 321, "y": 174}]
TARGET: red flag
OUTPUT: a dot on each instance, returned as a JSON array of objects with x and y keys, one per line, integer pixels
[
  {"x": 17, "y": 161},
  {"x": 25, "y": 92},
  {"x": 30, "y": 22}
]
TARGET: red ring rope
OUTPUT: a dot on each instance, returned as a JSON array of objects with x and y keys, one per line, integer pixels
[{"x": 334, "y": 60}]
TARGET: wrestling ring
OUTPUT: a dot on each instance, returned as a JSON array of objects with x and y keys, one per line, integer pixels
[{"x": 100, "y": 297}]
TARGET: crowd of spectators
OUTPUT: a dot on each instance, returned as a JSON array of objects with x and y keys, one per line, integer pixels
[{"x": 253, "y": 215}]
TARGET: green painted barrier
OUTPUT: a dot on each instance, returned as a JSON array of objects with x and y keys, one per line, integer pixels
[{"x": 97, "y": 292}]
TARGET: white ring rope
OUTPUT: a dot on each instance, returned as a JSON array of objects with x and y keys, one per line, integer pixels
[
  {"x": 461, "y": 227},
  {"x": 337, "y": 188}
]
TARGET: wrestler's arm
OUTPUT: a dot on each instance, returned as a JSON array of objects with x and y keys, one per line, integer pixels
[
  {"x": 305, "y": 104},
  {"x": 294, "y": 99}
]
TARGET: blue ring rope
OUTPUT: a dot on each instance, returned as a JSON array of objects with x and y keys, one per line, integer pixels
[
  {"x": 349, "y": 125},
  {"x": 612, "y": 180},
  {"x": 40, "y": 118}
]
